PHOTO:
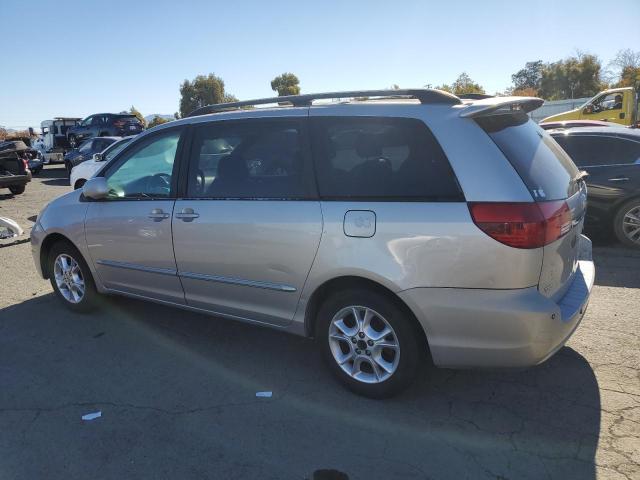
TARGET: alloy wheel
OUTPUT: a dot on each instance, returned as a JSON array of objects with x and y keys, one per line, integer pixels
[
  {"x": 364, "y": 344},
  {"x": 69, "y": 279},
  {"x": 631, "y": 224}
]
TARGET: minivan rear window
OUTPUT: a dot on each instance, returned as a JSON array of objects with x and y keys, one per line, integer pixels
[{"x": 546, "y": 170}]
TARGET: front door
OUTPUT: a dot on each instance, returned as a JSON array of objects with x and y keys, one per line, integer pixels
[
  {"x": 129, "y": 233},
  {"x": 246, "y": 233}
]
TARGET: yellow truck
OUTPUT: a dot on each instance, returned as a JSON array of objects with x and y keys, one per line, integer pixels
[{"x": 617, "y": 105}]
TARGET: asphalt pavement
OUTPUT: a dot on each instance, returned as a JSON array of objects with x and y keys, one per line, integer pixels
[{"x": 177, "y": 393}]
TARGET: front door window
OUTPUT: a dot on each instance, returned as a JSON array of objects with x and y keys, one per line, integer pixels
[{"x": 146, "y": 171}]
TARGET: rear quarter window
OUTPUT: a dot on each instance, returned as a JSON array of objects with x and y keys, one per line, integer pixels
[
  {"x": 546, "y": 170},
  {"x": 380, "y": 158}
]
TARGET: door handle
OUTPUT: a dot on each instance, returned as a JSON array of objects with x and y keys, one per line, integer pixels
[
  {"x": 158, "y": 215},
  {"x": 619, "y": 179},
  {"x": 187, "y": 215}
]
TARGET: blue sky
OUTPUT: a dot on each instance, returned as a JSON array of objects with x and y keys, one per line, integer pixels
[{"x": 74, "y": 58}]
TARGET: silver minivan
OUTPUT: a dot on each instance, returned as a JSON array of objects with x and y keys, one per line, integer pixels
[{"x": 392, "y": 227}]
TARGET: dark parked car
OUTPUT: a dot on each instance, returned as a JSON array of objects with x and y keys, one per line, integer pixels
[
  {"x": 104, "y": 125},
  {"x": 86, "y": 150},
  {"x": 611, "y": 157},
  {"x": 14, "y": 166}
]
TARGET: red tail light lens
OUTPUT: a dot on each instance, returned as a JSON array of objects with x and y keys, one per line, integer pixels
[
  {"x": 25, "y": 162},
  {"x": 523, "y": 225}
]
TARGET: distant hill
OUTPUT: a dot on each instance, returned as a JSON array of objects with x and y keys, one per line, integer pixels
[{"x": 148, "y": 118}]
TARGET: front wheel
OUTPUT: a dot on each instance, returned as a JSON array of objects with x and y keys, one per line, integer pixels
[
  {"x": 368, "y": 342},
  {"x": 71, "y": 278},
  {"x": 626, "y": 224}
]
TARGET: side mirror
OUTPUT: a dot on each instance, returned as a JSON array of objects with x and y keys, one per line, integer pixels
[
  {"x": 97, "y": 157},
  {"x": 95, "y": 188}
]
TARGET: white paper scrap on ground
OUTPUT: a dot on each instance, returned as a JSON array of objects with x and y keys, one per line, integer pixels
[
  {"x": 92, "y": 416},
  {"x": 264, "y": 394}
]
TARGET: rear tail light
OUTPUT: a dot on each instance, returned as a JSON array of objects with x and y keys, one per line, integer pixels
[
  {"x": 523, "y": 225},
  {"x": 25, "y": 162}
]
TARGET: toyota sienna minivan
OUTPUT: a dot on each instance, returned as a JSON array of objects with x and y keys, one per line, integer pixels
[{"x": 393, "y": 227}]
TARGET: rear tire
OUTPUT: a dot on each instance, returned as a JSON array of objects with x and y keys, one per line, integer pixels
[
  {"x": 626, "y": 223},
  {"x": 71, "y": 278},
  {"x": 17, "y": 189},
  {"x": 358, "y": 352}
]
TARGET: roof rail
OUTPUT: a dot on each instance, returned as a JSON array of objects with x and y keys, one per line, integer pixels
[{"x": 425, "y": 95}]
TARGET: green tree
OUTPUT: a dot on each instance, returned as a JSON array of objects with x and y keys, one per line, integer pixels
[
  {"x": 138, "y": 115},
  {"x": 573, "y": 77},
  {"x": 463, "y": 84},
  {"x": 629, "y": 77},
  {"x": 626, "y": 69},
  {"x": 529, "y": 77},
  {"x": 157, "y": 121},
  {"x": 201, "y": 91},
  {"x": 286, "y": 84}
]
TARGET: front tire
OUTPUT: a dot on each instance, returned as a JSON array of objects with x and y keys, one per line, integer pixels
[
  {"x": 626, "y": 223},
  {"x": 71, "y": 278},
  {"x": 368, "y": 342}
]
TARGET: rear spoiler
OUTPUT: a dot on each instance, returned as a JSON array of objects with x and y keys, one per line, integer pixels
[{"x": 488, "y": 106}]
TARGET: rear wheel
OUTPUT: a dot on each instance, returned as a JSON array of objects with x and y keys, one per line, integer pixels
[
  {"x": 17, "y": 189},
  {"x": 71, "y": 278},
  {"x": 626, "y": 224},
  {"x": 368, "y": 342}
]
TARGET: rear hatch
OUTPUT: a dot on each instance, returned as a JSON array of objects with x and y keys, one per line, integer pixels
[
  {"x": 127, "y": 124},
  {"x": 555, "y": 184},
  {"x": 14, "y": 166}
]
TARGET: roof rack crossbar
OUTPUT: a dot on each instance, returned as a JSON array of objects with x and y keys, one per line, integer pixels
[{"x": 425, "y": 95}]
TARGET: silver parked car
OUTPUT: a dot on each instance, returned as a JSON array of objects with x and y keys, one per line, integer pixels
[{"x": 389, "y": 226}]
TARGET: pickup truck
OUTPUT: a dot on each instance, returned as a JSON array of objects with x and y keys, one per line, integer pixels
[
  {"x": 617, "y": 105},
  {"x": 14, "y": 166}
]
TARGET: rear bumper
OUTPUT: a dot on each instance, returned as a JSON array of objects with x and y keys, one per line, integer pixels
[
  {"x": 11, "y": 180},
  {"x": 500, "y": 328}
]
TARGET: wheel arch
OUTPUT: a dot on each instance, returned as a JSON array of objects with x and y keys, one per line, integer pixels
[
  {"x": 322, "y": 292},
  {"x": 45, "y": 248}
]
